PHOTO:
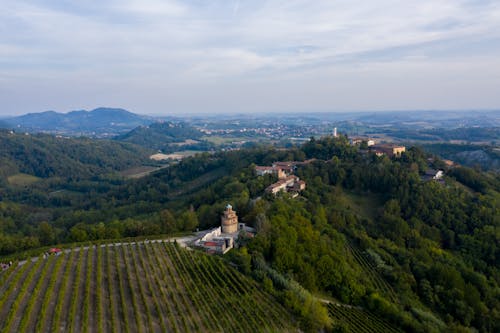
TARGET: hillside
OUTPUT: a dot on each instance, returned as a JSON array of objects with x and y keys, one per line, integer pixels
[
  {"x": 137, "y": 287},
  {"x": 100, "y": 122},
  {"x": 46, "y": 156},
  {"x": 369, "y": 232},
  {"x": 486, "y": 157},
  {"x": 166, "y": 136}
]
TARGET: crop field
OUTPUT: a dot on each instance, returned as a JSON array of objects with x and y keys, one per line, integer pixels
[
  {"x": 357, "y": 320},
  {"x": 137, "y": 287},
  {"x": 377, "y": 279}
]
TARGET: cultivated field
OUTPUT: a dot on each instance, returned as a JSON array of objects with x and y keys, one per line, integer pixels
[
  {"x": 354, "y": 319},
  {"x": 154, "y": 287}
]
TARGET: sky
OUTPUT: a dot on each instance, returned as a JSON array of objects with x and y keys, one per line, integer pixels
[{"x": 224, "y": 56}]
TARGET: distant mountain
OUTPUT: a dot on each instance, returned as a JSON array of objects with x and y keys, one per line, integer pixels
[{"x": 101, "y": 122}]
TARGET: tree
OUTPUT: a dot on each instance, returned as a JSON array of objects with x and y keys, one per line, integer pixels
[
  {"x": 167, "y": 221},
  {"x": 46, "y": 233},
  {"x": 189, "y": 219}
]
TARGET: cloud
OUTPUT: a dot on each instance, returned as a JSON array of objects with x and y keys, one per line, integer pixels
[{"x": 216, "y": 44}]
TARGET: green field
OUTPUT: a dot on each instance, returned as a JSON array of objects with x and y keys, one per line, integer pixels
[
  {"x": 22, "y": 179},
  {"x": 135, "y": 287}
]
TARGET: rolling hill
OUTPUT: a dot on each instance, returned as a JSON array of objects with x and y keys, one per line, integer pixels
[
  {"x": 44, "y": 156},
  {"x": 161, "y": 135}
]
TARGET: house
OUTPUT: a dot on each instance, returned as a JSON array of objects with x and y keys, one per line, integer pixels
[
  {"x": 360, "y": 140},
  {"x": 215, "y": 241},
  {"x": 431, "y": 174},
  {"x": 287, "y": 167},
  {"x": 388, "y": 149},
  {"x": 222, "y": 239},
  {"x": 289, "y": 184},
  {"x": 264, "y": 170}
]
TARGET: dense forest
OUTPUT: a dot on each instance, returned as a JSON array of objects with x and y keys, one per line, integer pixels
[
  {"x": 165, "y": 136},
  {"x": 368, "y": 231},
  {"x": 44, "y": 156}
]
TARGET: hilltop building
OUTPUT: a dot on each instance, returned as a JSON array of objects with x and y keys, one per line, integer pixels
[
  {"x": 229, "y": 221},
  {"x": 215, "y": 242},
  {"x": 223, "y": 238},
  {"x": 388, "y": 149},
  {"x": 289, "y": 184},
  {"x": 359, "y": 140},
  {"x": 287, "y": 181},
  {"x": 432, "y": 174},
  {"x": 263, "y": 170}
]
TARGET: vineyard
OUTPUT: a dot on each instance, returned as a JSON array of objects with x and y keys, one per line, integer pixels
[
  {"x": 355, "y": 319},
  {"x": 138, "y": 287},
  {"x": 369, "y": 268}
]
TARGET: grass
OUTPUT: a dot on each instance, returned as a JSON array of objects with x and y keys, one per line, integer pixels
[
  {"x": 22, "y": 179},
  {"x": 364, "y": 204},
  {"x": 220, "y": 140},
  {"x": 138, "y": 172}
]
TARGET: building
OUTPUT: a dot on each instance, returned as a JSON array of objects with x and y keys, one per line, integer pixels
[
  {"x": 358, "y": 141},
  {"x": 431, "y": 174},
  {"x": 289, "y": 184},
  {"x": 229, "y": 221},
  {"x": 388, "y": 149},
  {"x": 263, "y": 170},
  {"x": 287, "y": 167},
  {"x": 215, "y": 242},
  {"x": 223, "y": 238}
]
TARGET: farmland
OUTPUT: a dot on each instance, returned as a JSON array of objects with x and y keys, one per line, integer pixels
[
  {"x": 137, "y": 287},
  {"x": 355, "y": 319}
]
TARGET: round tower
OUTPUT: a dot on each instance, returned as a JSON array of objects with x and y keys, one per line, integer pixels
[{"x": 229, "y": 220}]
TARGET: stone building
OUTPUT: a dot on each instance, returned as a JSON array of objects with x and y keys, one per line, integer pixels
[
  {"x": 388, "y": 149},
  {"x": 229, "y": 221}
]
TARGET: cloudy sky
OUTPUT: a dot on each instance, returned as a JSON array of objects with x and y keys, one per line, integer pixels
[{"x": 200, "y": 56}]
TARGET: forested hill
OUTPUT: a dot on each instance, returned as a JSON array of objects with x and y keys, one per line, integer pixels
[
  {"x": 160, "y": 134},
  {"x": 44, "y": 156},
  {"x": 369, "y": 233}
]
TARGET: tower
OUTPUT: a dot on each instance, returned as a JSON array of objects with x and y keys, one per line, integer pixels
[
  {"x": 335, "y": 132},
  {"x": 229, "y": 220}
]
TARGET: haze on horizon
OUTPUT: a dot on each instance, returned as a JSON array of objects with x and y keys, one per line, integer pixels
[{"x": 161, "y": 57}]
